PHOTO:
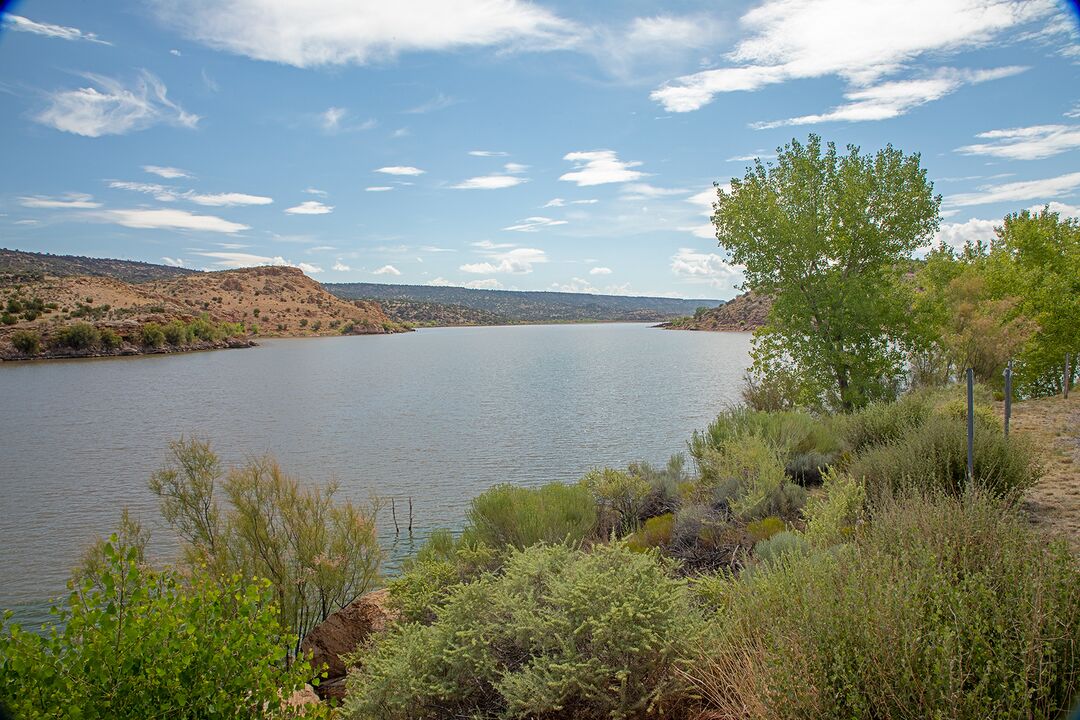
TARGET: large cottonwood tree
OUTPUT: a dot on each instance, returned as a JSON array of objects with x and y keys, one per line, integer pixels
[{"x": 827, "y": 235}]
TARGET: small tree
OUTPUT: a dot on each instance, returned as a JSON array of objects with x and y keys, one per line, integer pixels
[
  {"x": 27, "y": 342},
  {"x": 825, "y": 235}
]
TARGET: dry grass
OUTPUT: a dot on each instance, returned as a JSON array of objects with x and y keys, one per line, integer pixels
[{"x": 1053, "y": 424}]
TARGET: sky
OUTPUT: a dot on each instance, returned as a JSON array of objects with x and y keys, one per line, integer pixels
[{"x": 499, "y": 143}]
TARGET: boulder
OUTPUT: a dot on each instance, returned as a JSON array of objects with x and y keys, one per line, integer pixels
[{"x": 342, "y": 633}]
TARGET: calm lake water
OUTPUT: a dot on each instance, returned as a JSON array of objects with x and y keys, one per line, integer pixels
[{"x": 437, "y": 415}]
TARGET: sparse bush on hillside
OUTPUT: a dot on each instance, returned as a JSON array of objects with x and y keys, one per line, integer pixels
[
  {"x": 560, "y": 633},
  {"x": 80, "y": 336},
  {"x": 944, "y": 607},
  {"x": 152, "y": 335},
  {"x": 177, "y": 333},
  {"x": 620, "y": 497},
  {"x": 28, "y": 342},
  {"x": 110, "y": 339},
  {"x": 510, "y": 516},
  {"x": 8, "y": 319},
  {"x": 745, "y": 475}
]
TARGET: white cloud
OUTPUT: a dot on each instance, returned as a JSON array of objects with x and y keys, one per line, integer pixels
[
  {"x": 515, "y": 168},
  {"x": 1074, "y": 112},
  {"x": 338, "y": 32},
  {"x": 160, "y": 192},
  {"x": 400, "y": 170},
  {"x": 316, "y": 191},
  {"x": 71, "y": 200},
  {"x": 1042, "y": 190},
  {"x": 488, "y": 284},
  {"x": 169, "y": 219},
  {"x": 518, "y": 261},
  {"x": 228, "y": 199},
  {"x": 310, "y": 207},
  {"x": 533, "y": 224},
  {"x": 169, "y": 173},
  {"x": 109, "y": 107},
  {"x": 645, "y": 191},
  {"x": 488, "y": 153},
  {"x": 956, "y": 235},
  {"x": 331, "y": 118},
  {"x": 751, "y": 157},
  {"x": 1026, "y": 143},
  {"x": 386, "y": 270},
  {"x": 600, "y": 271},
  {"x": 893, "y": 99},
  {"x": 580, "y": 285},
  {"x": 708, "y": 268},
  {"x": 489, "y": 182},
  {"x": 439, "y": 102},
  {"x": 599, "y": 167},
  {"x": 1060, "y": 208},
  {"x": 378, "y": 188},
  {"x": 309, "y": 268},
  {"x": 859, "y": 40},
  {"x": 175, "y": 53},
  {"x": 26, "y": 222},
  {"x": 340, "y": 267},
  {"x": 21, "y": 24},
  {"x": 554, "y": 202},
  {"x": 589, "y": 201},
  {"x": 173, "y": 262},
  {"x": 433, "y": 249},
  {"x": 488, "y": 245},
  {"x": 240, "y": 260},
  {"x": 439, "y": 282},
  {"x": 647, "y": 48}
]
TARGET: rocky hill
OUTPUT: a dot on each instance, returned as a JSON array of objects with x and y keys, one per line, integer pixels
[
  {"x": 194, "y": 311},
  {"x": 519, "y": 306},
  {"x": 18, "y": 262},
  {"x": 745, "y": 313},
  {"x": 420, "y": 314}
]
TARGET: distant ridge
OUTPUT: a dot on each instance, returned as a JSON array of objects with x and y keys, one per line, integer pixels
[
  {"x": 745, "y": 313},
  {"x": 526, "y": 305},
  {"x": 20, "y": 262}
]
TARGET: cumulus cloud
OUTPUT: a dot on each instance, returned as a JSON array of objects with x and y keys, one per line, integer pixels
[
  {"x": 956, "y": 235},
  {"x": 518, "y": 261},
  {"x": 580, "y": 285},
  {"x": 173, "y": 262},
  {"x": 1060, "y": 208},
  {"x": 861, "y": 42},
  {"x": 434, "y": 249},
  {"x": 309, "y": 268},
  {"x": 340, "y": 267},
  {"x": 645, "y": 191},
  {"x": 80, "y": 201},
  {"x": 62, "y": 32},
  {"x": 109, "y": 107},
  {"x": 487, "y": 284},
  {"x": 439, "y": 102},
  {"x": 1026, "y": 143},
  {"x": 554, "y": 202},
  {"x": 1042, "y": 190},
  {"x": 489, "y": 182},
  {"x": 707, "y": 268},
  {"x": 386, "y": 270},
  {"x": 169, "y": 173},
  {"x": 310, "y": 207},
  {"x": 400, "y": 170},
  {"x": 533, "y": 224},
  {"x": 339, "y": 32},
  {"x": 171, "y": 219},
  {"x": 599, "y": 167},
  {"x": 439, "y": 282},
  {"x": 600, "y": 271}
]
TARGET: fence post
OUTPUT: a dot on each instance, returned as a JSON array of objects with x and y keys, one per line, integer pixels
[
  {"x": 971, "y": 426},
  {"x": 1008, "y": 396}
]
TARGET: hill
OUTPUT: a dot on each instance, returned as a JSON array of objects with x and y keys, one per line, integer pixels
[
  {"x": 521, "y": 306},
  {"x": 18, "y": 262},
  {"x": 196, "y": 311},
  {"x": 745, "y": 313},
  {"x": 418, "y": 313}
]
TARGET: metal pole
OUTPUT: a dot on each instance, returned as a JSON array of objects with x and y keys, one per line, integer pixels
[
  {"x": 971, "y": 425},
  {"x": 1008, "y": 396}
]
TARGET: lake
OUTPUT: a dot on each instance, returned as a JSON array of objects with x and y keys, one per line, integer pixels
[{"x": 437, "y": 415}]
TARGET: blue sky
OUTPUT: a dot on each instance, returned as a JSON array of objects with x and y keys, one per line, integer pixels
[{"x": 499, "y": 143}]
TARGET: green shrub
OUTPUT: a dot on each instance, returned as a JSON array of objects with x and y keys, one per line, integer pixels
[
  {"x": 884, "y": 422},
  {"x": 110, "y": 339},
  {"x": 777, "y": 546},
  {"x": 946, "y": 607},
  {"x": 746, "y": 476},
  {"x": 79, "y": 336},
  {"x": 934, "y": 456},
  {"x": 765, "y": 528},
  {"x": 441, "y": 564},
  {"x": 560, "y": 633},
  {"x": 152, "y": 335},
  {"x": 8, "y": 319},
  {"x": 621, "y": 499},
  {"x": 177, "y": 333},
  {"x": 27, "y": 342},
  {"x": 511, "y": 516},
  {"x": 148, "y": 644},
  {"x": 833, "y": 514},
  {"x": 655, "y": 533}
]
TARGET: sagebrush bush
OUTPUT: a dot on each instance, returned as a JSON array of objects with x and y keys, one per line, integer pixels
[
  {"x": 139, "y": 644},
  {"x": 177, "y": 333},
  {"x": 934, "y": 456},
  {"x": 441, "y": 564},
  {"x": 881, "y": 423},
  {"x": 782, "y": 543},
  {"x": 654, "y": 533},
  {"x": 79, "y": 336},
  {"x": 152, "y": 335},
  {"x": 765, "y": 528},
  {"x": 621, "y": 499},
  {"x": 28, "y": 342},
  {"x": 110, "y": 339},
  {"x": 560, "y": 633},
  {"x": 745, "y": 475},
  {"x": 945, "y": 606},
  {"x": 512, "y": 516},
  {"x": 833, "y": 514}
]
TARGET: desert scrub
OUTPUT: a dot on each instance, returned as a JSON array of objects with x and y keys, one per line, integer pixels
[
  {"x": 79, "y": 336},
  {"x": 560, "y": 633},
  {"x": 441, "y": 564},
  {"x": 944, "y": 606},
  {"x": 621, "y": 499},
  {"x": 139, "y": 644},
  {"x": 28, "y": 342},
  {"x": 511, "y": 516},
  {"x": 654, "y": 533},
  {"x": 151, "y": 335},
  {"x": 744, "y": 475},
  {"x": 934, "y": 456},
  {"x": 833, "y": 514}
]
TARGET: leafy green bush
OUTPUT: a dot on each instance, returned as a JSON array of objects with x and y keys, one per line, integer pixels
[
  {"x": 79, "y": 336},
  {"x": 884, "y": 422},
  {"x": 934, "y": 456},
  {"x": 152, "y": 335},
  {"x": 621, "y": 499},
  {"x": 8, "y": 319},
  {"x": 746, "y": 476},
  {"x": 177, "y": 333},
  {"x": 511, "y": 516},
  {"x": 833, "y": 514},
  {"x": 945, "y": 607},
  {"x": 431, "y": 576},
  {"x": 655, "y": 533},
  {"x": 782, "y": 543},
  {"x": 148, "y": 644},
  {"x": 765, "y": 528},
  {"x": 28, "y": 342},
  {"x": 110, "y": 339},
  {"x": 561, "y": 633}
]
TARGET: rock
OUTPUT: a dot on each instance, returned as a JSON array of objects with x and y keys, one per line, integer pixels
[
  {"x": 343, "y": 632},
  {"x": 302, "y": 698}
]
